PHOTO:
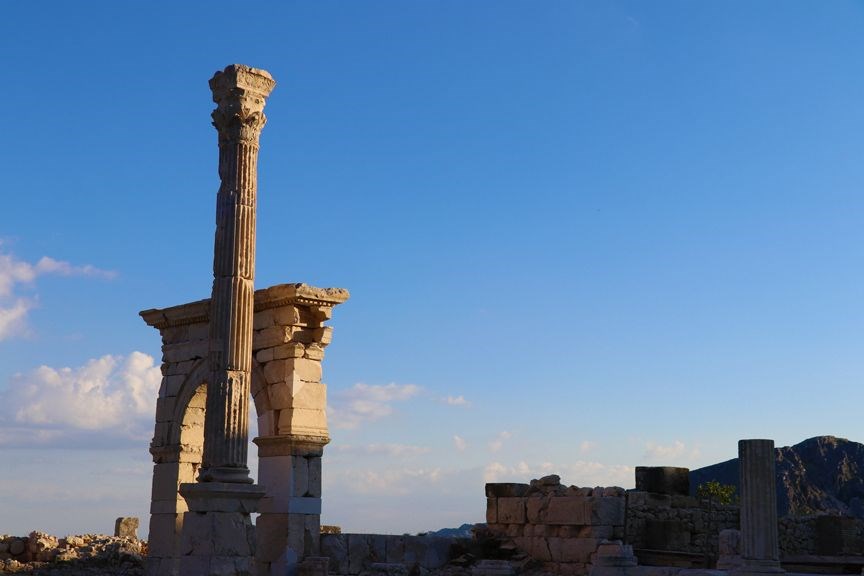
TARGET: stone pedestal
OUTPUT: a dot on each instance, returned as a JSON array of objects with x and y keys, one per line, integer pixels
[
  {"x": 614, "y": 558},
  {"x": 760, "y": 548},
  {"x": 289, "y": 467},
  {"x": 218, "y": 536}
]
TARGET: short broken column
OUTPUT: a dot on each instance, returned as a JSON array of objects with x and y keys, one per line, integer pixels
[{"x": 760, "y": 549}]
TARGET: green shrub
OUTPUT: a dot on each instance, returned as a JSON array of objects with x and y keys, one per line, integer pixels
[{"x": 716, "y": 492}]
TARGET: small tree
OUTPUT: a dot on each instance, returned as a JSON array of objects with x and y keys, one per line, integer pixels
[{"x": 716, "y": 493}]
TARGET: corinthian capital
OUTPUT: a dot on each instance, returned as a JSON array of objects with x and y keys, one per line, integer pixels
[{"x": 240, "y": 92}]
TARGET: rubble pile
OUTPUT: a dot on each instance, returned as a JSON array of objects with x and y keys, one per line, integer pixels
[{"x": 46, "y": 555}]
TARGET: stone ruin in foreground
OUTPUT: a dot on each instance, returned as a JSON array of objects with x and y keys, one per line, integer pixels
[{"x": 268, "y": 345}]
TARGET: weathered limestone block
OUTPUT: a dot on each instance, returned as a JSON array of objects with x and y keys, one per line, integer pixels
[
  {"x": 173, "y": 368},
  {"x": 164, "y": 533},
  {"x": 729, "y": 548},
  {"x": 313, "y": 488},
  {"x": 505, "y": 490},
  {"x": 313, "y": 566},
  {"x": 126, "y": 527},
  {"x": 272, "y": 536},
  {"x": 183, "y": 351},
  {"x": 304, "y": 534},
  {"x": 165, "y": 409},
  {"x": 17, "y": 547},
  {"x": 322, "y": 336},
  {"x": 514, "y": 530},
  {"x": 313, "y": 352},
  {"x": 298, "y": 394},
  {"x": 300, "y": 473},
  {"x": 572, "y": 510},
  {"x": 193, "y": 418},
  {"x": 293, "y": 369},
  {"x": 167, "y": 478},
  {"x": 171, "y": 384},
  {"x": 363, "y": 550},
  {"x": 437, "y": 552},
  {"x": 271, "y": 337},
  {"x": 335, "y": 547},
  {"x": 302, "y": 421},
  {"x": 287, "y": 315},
  {"x": 395, "y": 549},
  {"x": 663, "y": 480},
  {"x": 579, "y": 549},
  {"x": 536, "y": 508},
  {"x": 511, "y": 510},
  {"x": 613, "y": 559},
  {"x": 608, "y": 511},
  {"x": 289, "y": 350}
]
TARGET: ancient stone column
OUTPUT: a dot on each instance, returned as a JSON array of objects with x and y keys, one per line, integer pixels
[
  {"x": 239, "y": 92},
  {"x": 760, "y": 549}
]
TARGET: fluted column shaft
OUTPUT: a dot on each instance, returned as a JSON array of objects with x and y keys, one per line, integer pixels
[
  {"x": 240, "y": 93},
  {"x": 760, "y": 549}
]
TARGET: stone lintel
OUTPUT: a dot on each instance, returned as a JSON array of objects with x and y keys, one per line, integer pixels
[
  {"x": 222, "y": 496},
  {"x": 290, "y": 445},
  {"x": 265, "y": 298}
]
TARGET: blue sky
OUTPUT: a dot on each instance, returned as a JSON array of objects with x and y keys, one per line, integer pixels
[{"x": 579, "y": 236}]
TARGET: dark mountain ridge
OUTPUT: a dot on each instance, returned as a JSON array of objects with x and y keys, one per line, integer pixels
[{"x": 824, "y": 474}]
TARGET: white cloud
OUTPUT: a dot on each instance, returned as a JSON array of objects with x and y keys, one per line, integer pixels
[
  {"x": 383, "y": 481},
  {"x": 580, "y": 473},
  {"x": 496, "y": 444},
  {"x": 15, "y": 273},
  {"x": 48, "y": 265},
  {"x": 367, "y": 403},
  {"x": 13, "y": 318},
  {"x": 586, "y": 446},
  {"x": 459, "y": 443},
  {"x": 677, "y": 451},
  {"x": 114, "y": 395},
  {"x": 456, "y": 401},
  {"x": 402, "y": 451}
]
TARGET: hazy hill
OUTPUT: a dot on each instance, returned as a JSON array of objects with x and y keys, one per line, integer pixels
[{"x": 822, "y": 474}]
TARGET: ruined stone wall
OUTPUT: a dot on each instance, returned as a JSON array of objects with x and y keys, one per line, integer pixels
[
  {"x": 821, "y": 535},
  {"x": 560, "y": 527},
  {"x": 352, "y": 554},
  {"x": 675, "y": 522}
]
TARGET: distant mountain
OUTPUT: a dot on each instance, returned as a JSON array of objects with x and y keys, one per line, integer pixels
[
  {"x": 822, "y": 474},
  {"x": 464, "y": 531}
]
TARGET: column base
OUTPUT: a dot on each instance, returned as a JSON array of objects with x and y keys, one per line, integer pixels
[
  {"x": 232, "y": 474},
  {"x": 218, "y": 536}
]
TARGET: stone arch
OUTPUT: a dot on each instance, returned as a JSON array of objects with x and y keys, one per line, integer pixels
[
  {"x": 178, "y": 453},
  {"x": 288, "y": 341}
]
